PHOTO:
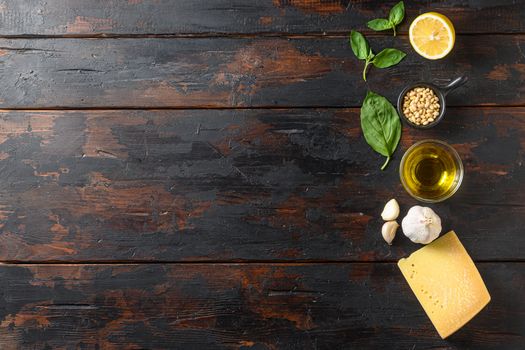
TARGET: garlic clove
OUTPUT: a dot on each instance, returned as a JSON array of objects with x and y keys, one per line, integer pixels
[
  {"x": 391, "y": 210},
  {"x": 388, "y": 231}
]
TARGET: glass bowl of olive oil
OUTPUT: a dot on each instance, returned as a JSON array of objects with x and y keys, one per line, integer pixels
[{"x": 431, "y": 171}]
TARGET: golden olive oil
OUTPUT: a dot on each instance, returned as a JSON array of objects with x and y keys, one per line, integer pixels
[{"x": 431, "y": 171}]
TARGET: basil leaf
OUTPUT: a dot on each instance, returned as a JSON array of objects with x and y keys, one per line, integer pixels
[
  {"x": 388, "y": 57},
  {"x": 380, "y": 124},
  {"x": 379, "y": 24},
  {"x": 359, "y": 45},
  {"x": 397, "y": 13}
]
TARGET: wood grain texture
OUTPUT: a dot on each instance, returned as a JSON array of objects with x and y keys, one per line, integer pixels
[
  {"x": 320, "y": 306},
  {"x": 98, "y": 201},
  {"x": 225, "y": 72},
  {"x": 240, "y": 185},
  {"x": 94, "y": 17}
]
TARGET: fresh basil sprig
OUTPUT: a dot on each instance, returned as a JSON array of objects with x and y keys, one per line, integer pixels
[
  {"x": 395, "y": 17},
  {"x": 381, "y": 125},
  {"x": 384, "y": 59}
]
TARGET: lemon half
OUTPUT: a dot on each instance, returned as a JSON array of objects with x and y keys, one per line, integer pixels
[{"x": 432, "y": 35}]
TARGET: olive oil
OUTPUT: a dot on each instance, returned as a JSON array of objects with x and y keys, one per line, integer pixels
[{"x": 431, "y": 171}]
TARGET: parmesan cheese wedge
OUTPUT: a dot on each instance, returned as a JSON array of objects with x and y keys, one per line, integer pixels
[{"x": 446, "y": 282}]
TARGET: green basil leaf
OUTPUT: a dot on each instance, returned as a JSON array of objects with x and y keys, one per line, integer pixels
[
  {"x": 379, "y": 24},
  {"x": 397, "y": 13},
  {"x": 380, "y": 124},
  {"x": 388, "y": 57},
  {"x": 359, "y": 45}
]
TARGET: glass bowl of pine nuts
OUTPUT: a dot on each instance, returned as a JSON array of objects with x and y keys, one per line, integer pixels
[{"x": 422, "y": 105}]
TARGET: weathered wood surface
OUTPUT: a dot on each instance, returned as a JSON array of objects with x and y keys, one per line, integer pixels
[
  {"x": 225, "y": 72},
  {"x": 240, "y": 184},
  {"x": 268, "y": 188},
  {"x": 81, "y": 17},
  {"x": 270, "y": 306}
]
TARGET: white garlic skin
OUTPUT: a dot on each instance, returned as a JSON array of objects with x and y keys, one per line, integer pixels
[
  {"x": 421, "y": 225},
  {"x": 388, "y": 231},
  {"x": 391, "y": 210}
]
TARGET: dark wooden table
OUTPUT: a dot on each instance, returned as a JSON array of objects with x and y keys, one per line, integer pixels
[{"x": 191, "y": 174}]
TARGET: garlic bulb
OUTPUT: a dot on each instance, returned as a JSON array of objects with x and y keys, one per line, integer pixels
[
  {"x": 391, "y": 210},
  {"x": 389, "y": 231},
  {"x": 421, "y": 225}
]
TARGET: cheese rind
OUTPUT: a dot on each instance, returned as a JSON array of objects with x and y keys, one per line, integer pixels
[{"x": 446, "y": 282}]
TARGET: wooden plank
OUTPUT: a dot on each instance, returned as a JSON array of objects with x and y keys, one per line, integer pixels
[
  {"x": 80, "y": 17},
  {"x": 240, "y": 184},
  {"x": 324, "y": 306},
  {"x": 243, "y": 72}
]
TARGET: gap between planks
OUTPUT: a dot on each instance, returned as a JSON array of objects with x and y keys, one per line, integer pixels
[
  {"x": 230, "y": 262},
  {"x": 212, "y": 35},
  {"x": 178, "y": 108}
]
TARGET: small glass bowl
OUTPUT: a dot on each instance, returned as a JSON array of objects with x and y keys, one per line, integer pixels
[{"x": 457, "y": 162}]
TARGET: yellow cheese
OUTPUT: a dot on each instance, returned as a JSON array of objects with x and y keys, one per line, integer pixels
[{"x": 446, "y": 282}]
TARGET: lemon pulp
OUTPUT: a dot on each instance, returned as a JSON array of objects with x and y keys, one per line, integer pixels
[{"x": 432, "y": 35}]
